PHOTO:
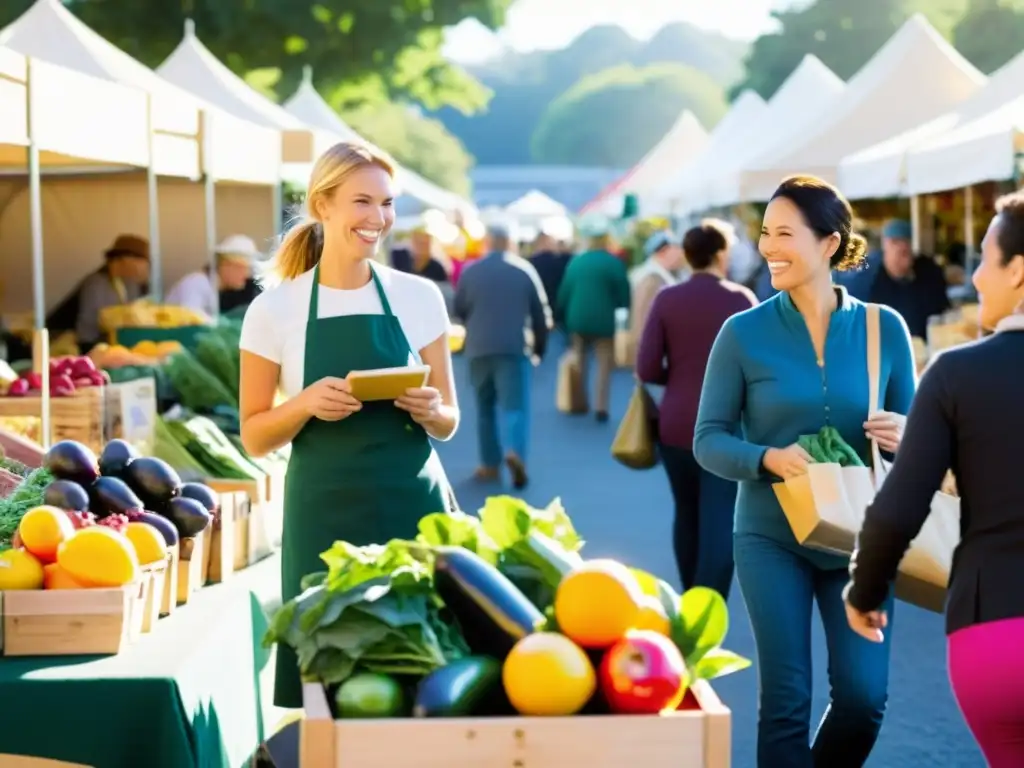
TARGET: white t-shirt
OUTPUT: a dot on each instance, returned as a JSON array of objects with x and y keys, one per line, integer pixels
[{"x": 275, "y": 323}]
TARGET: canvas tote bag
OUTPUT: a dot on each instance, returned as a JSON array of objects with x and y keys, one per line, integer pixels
[
  {"x": 635, "y": 444},
  {"x": 570, "y": 397}
]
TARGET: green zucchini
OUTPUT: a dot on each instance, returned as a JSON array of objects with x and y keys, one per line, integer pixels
[
  {"x": 469, "y": 687},
  {"x": 493, "y": 613}
]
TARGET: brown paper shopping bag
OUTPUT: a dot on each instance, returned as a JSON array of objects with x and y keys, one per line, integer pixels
[
  {"x": 923, "y": 577},
  {"x": 635, "y": 444},
  {"x": 570, "y": 397}
]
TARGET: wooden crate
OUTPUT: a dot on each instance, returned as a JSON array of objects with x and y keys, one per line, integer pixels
[
  {"x": 265, "y": 515},
  {"x": 65, "y": 622},
  {"x": 695, "y": 738},
  {"x": 192, "y": 565},
  {"x": 170, "y": 596},
  {"x": 77, "y": 417},
  {"x": 229, "y": 536},
  {"x": 155, "y": 576},
  {"x": 19, "y": 761}
]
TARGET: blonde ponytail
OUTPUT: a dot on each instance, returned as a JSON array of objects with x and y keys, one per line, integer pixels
[
  {"x": 303, "y": 244},
  {"x": 298, "y": 253}
]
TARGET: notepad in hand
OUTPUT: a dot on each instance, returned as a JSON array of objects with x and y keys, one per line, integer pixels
[{"x": 387, "y": 383}]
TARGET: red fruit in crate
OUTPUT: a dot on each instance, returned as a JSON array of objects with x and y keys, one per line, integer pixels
[
  {"x": 643, "y": 674},
  {"x": 82, "y": 519},
  {"x": 117, "y": 523},
  {"x": 35, "y": 380},
  {"x": 18, "y": 388}
]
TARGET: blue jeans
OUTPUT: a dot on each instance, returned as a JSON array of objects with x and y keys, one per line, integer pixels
[
  {"x": 502, "y": 387},
  {"x": 702, "y": 530},
  {"x": 779, "y": 588}
]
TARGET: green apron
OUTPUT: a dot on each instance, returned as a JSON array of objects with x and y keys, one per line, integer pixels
[{"x": 365, "y": 479}]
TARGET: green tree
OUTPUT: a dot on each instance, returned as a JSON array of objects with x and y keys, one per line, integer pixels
[
  {"x": 844, "y": 34},
  {"x": 420, "y": 143},
  {"x": 613, "y": 117},
  {"x": 389, "y": 49},
  {"x": 990, "y": 33}
]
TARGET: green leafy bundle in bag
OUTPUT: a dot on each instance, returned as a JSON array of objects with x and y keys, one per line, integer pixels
[{"x": 828, "y": 447}]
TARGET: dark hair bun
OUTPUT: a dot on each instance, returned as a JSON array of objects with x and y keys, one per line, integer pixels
[{"x": 854, "y": 253}]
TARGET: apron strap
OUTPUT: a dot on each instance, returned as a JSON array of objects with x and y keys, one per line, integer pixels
[{"x": 386, "y": 306}]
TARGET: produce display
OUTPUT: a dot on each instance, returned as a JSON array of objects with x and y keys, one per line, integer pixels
[
  {"x": 67, "y": 376},
  {"x": 92, "y": 522},
  {"x": 145, "y": 353},
  {"x": 145, "y": 314},
  {"x": 499, "y": 614}
]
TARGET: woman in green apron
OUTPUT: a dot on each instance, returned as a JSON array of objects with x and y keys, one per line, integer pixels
[{"x": 359, "y": 472}]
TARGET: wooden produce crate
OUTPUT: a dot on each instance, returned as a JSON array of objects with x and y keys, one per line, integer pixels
[
  {"x": 76, "y": 417},
  {"x": 66, "y": 622},
  {"x": 265, "y": 517},
  {"x": 229, "y": 536},
  {"x": 696, "y": 738},
  {"x": 155, "y": 576},
  {"x": 170, "y": 594},
  {"x": 193, "y": 565}
]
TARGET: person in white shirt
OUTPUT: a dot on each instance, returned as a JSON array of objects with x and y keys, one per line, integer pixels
[
  {"x": 359, "y": 472},
  {"x": 198, "y": 290}
]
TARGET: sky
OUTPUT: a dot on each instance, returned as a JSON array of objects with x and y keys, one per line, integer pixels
[{"x": 548, "y": 24}]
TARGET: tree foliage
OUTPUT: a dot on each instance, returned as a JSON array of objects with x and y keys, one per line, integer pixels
[
  {"x": 388, "y": 49},
  {"x": 420, "y": 143},
  {"x": 612, "y": 118},
  {"x": 991, "y": 33},
  {"x": 844, "y": 34}
]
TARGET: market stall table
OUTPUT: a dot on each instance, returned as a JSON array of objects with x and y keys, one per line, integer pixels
[{"x": 184, "y": 695}]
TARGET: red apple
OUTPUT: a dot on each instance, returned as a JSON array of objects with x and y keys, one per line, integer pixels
[{"x": 643, "y": 674}]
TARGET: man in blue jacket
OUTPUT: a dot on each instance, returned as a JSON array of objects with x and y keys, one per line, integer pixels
[{"x": 914, "y": 286}]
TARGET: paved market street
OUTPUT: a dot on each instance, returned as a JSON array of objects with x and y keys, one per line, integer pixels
[{"x": 626, "y": 515}]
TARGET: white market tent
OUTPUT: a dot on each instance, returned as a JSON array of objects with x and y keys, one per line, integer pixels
[
  {"x": 82, "y": 213},
  {"x": 685, "y": 140},
  {"x": 984, "y": 122},
  {"x": 984, "y": 147},
  {"x": 788, "y": 116},
  {"x": 71, "y": 130},
  {"x": 916, "y": 76},
  {"x": 307, "y": 105},
  {"x": 687, "y": 188},
  {"x": 535, "y": 205}
]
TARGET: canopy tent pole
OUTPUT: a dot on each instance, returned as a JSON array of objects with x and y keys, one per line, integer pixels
[
  {"x": 41, "y": 339},
  {"x": 969, "y": 244},
  {"x": 156, "y": 262},
  {"x": 915, "y": 224},
  {"x": 210, "y": 201}
]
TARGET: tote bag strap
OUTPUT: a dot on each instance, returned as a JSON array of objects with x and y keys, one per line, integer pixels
[{"x": 874, "y": 337}]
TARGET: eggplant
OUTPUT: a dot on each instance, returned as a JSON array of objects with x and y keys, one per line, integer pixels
[
  {"x": 162, "y": 524},
  {"x": 201, "y": 493},
  {"x": 154, "y": 480},
  {"x": 188, "y": 516},
  {"x": 493, "y": 613},
  {"x": 66, "y": 494},
  {"x": 469, "y": 687},
  {"x": 115, "y": 458},
  {"x": 70, "y": 460},
  {"x": 112, "y": 496}
]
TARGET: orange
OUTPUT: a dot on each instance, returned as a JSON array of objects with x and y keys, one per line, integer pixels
[
  {"x": 652, "y": 616},
  {"x": 20, "y": 570},
  {"x": 597, "y": 603},
  {"x": 43, "y": 529},
  {"x": 100, "y": 556},
  {"x": 148, "y": 542},
  {"x": 55, "y": 577},
  {"x": 547, "y": 674}
]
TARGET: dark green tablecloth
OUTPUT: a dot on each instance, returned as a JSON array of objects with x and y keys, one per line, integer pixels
[{"x": 186, "y": 695}]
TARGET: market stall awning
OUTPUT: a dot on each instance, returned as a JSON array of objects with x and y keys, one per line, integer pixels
[
  {"x": 883, "y": 170},
  {"x": 192, "y": 67},
  {"x": 307, "y": 105},
  {"x": 916, "y": 76},
  {"x": 535, "y": 204},
  {"x": 71, "y": 124},
  {"x": 50, "y": 32},
  {"x": 687, "y": 187},
  {"x": 787, "y": 116},
  {"x": 685, "y": 140}
]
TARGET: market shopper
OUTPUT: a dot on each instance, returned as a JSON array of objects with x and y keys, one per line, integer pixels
[
  {"x": 967, "y": 415},
  {"x": 661, "y": 268},
  {"x": 200, "y": 290},
  {"x": 359, "y": 472},
  {"x": 787, "y": 368},
  {"x": 681, "y": 327}
]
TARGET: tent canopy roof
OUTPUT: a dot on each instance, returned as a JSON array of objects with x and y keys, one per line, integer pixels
[{"x": 536, "y": 203}]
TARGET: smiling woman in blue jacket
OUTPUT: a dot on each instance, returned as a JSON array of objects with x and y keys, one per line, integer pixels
[{"x": 784, "y": 369}]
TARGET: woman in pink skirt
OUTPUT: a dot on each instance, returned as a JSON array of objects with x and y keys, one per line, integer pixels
[{"x": 968, "y": 415}]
